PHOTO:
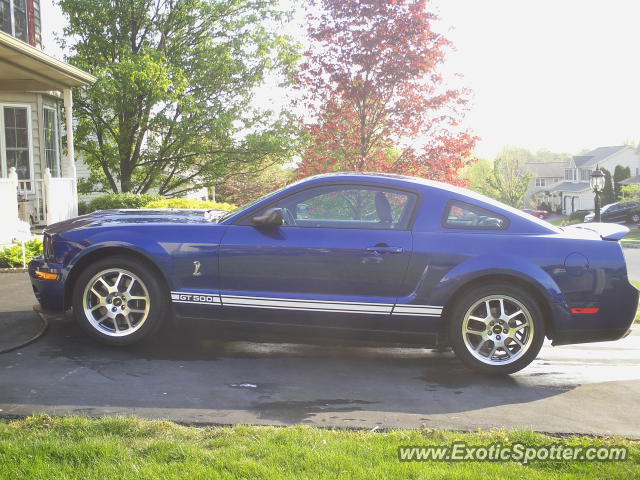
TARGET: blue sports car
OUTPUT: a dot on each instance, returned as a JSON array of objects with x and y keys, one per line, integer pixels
[{"x": 396, "y": 258}]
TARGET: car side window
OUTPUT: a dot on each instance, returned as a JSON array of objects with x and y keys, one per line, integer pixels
[
  {"x": 465, "y": 215},
  {"x": 349, "y": 206}
]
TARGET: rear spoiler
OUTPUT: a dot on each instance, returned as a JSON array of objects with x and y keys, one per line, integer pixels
[{"x": 607, "y": 231}]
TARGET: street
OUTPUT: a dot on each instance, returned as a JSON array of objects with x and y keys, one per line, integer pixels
[
  {"x": 632, "y": 255},
  {"x": 192, "y": 374}
]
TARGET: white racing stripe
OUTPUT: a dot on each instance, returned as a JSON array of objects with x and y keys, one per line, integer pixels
[
  {"x": 422, "y": 310},
  {"x": 305, "y": 305},
  {"x": 196, "y": 297}
]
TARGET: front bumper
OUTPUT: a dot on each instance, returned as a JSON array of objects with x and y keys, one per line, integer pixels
[{"x": 49, "y": 293}]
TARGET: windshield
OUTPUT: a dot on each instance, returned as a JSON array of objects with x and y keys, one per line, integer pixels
[
  {"x": 247, "y": 205},
  {"x": 608, "y": 207}
]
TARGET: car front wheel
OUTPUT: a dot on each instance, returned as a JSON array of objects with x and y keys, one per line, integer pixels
[
  {"x": 635, "y": 218},
  {"x": 119, "y": 300},
  {"x": 496, "y": 328}
]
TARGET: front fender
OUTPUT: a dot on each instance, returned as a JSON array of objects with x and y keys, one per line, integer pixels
[{"x": 157, "y": 258}]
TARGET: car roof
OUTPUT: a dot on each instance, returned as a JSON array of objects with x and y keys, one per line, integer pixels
[{"x": 393, "y": 179}]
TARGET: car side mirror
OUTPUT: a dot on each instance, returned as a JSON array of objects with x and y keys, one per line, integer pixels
[{"x": 271, "y": 218}]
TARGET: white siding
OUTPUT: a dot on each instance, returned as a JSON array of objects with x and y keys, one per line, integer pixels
[
  {"x": 627, "y": 158},
  {"x": 35, "y": 102}
]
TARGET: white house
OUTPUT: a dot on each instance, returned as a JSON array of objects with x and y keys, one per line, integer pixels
[
  {"x": 572, "y": 192},
  {"x": 544, "y": 176},
  {"x": 35, "y": 98}
]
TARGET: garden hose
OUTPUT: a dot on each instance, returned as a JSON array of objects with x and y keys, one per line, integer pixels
[{"x": 45, "y": 325}]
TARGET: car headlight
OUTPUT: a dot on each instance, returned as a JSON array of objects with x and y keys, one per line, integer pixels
[{"x": 47, "y": 247}]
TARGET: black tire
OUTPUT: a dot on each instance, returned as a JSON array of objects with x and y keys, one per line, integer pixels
[
  {"x": 465, "y": 302},
  {"x": 156, "y": 312},
  {"x": 635, "y": 218}
]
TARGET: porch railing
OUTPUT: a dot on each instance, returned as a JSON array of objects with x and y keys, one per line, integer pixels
[
  {"x": 48, "y": 200},
  {"x": 31, "y": 201},
  {"x": 8, "y": 206},
  {"x": 61, "y": 198}
]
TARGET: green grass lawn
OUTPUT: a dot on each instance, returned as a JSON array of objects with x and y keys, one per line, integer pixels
[
  {"x": 130, "y": 448},
  {"x": 633, "y": 235},
  {"x": 565, "y": 222}
]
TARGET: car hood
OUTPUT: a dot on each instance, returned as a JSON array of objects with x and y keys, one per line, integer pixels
[{"x": 140, "y": 216}]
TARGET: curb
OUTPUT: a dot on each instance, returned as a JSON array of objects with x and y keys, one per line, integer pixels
[
  {"x": 14, "y": 270},
  {"x": 630, "y": 244}
]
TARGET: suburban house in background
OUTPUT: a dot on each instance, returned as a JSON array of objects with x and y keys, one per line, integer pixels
[
  {"x": 544, "y": 175},
  {"x": 570, "y": 191},
  {"x": 35, "y": 99}
]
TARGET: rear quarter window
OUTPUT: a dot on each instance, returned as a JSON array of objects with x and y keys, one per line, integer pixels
[{"x": 464, "y": 215}]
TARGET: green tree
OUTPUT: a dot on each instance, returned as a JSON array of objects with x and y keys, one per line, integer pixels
[
  {"x": 171, "y": 108},
  {"x": 544, "y": 155},
  {"x": 620, "y": 173},
  {"x": 508, "y": 178},
  {"x": 241, "y": 189},
  {"x": 477, "y": 175},
  {"x": 608, "y": 195},
  {"x": 630, "y": 192}
]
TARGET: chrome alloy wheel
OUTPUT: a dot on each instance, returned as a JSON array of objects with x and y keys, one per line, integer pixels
[
  {"x": 116, "y": 302},
  {"x": 497, "y": 330}
]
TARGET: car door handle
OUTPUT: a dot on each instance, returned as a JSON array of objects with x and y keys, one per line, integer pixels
[{"x": 384, "y": 248}]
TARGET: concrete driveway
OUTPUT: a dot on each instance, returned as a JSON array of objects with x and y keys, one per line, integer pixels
[{"x": 193, "y": 374}]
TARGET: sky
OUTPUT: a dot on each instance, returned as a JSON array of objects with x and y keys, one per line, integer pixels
[{"x": 562, "y": 75}]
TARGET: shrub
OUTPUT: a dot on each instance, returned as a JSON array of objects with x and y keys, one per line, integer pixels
[
  {"x": 578, "y": 215},
  {"x": 120, "y": 200},
  {"x": 544, "y": 206},
  {"x": 83, "y": 208},
  {"x": 188, "y": 203},
  {"x": 11, "y": 257}
]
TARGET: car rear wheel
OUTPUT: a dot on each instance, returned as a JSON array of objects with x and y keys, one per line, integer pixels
[
  {"x": 496, "y": 328},
  {"x": 119, "y": 300}
]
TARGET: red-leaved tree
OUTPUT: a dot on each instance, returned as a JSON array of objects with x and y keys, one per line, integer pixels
[{"x": 371, "y": 84}]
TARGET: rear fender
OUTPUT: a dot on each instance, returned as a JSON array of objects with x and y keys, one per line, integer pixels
[{"x": 528, "y": 273}]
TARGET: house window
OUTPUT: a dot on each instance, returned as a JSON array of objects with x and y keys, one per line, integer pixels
[
  {"x": 51, "y": 141},
  {"x": 15, "y": 142},
  {"x": 585, "y": 174},
  {"x": 13, "y": 18},
  {"x": 540, "y": 182},
  {"x": 569, "y": 174}
]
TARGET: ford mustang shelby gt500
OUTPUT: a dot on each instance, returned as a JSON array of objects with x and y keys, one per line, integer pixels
[{"x": 397, "y": 257}]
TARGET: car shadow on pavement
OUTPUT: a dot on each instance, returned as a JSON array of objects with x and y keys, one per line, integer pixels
[{"x": 195, "y": 365}]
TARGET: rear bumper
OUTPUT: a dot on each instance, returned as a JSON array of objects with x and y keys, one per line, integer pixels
[
  {"x": 613, "y": 322},
  {"x": 49, "y": 293}
]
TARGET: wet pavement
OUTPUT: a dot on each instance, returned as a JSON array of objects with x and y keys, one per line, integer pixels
[{"x": 195, "y": 373}]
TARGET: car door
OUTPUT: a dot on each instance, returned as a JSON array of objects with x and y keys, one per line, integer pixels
[
  {"x": 340, "y": 259},
  {"x": 616, "y": 213}
]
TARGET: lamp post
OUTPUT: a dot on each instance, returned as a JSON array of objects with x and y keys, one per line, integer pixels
[{"x": 597, "y": 185}]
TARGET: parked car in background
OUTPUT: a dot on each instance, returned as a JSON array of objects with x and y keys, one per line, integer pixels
[
  {"x": 393, "y": 258},
  {"x": 619, "y": 212},
  {"x": 536, "y": 213}
]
